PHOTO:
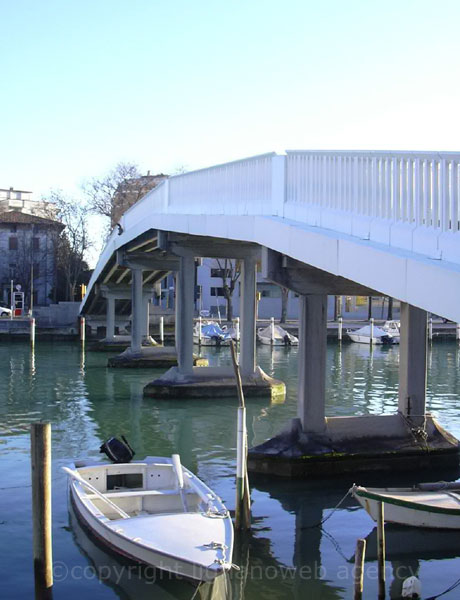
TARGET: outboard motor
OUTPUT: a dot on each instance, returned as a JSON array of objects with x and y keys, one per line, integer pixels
[
  {"x": 118, "y": 451},
  {"x": 287, "y": 340},
  {"x": 387, "y": 339}
]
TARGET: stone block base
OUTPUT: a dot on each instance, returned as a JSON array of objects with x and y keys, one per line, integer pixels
[
  {"x": 350, "y": 445},
  {"x": 213, "y": 382},
  {"x": 154, "y": 357}
]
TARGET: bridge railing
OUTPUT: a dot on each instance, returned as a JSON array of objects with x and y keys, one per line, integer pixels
[{"x": 408, "y": 200}]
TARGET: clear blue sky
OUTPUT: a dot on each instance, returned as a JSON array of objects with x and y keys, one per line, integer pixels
[{"x": 88, "y": 83}]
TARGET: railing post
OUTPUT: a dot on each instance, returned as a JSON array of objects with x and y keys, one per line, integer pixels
[{"x": 278, "y": 185}]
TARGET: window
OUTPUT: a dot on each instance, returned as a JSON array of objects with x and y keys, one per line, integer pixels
[
  {"x": 217, "y": 291},
  {"x": 35, "y": 243},
  {"x": 13, "y": 228},
  {"x": 13, "y": 243},
  {"x": 220, "y": 272}
]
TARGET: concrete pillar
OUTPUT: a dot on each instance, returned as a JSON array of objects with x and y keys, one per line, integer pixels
[
  {"x": 184, "y": 314},
  {"x": 248, "y": 317},
  {"x": 110, "y": 318},
  {"x": 312, "y": 362},
  {"x": 146, "y": 313},
  {"x": 138, "y": 321},
  {"x": 412, "y": 363}
]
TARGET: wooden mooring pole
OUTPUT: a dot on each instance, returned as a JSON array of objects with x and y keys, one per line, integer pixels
[
  {"x": 162, "y": 331},
  {"x": 32, "y": 332},
  {"x": 243, "y": 500},
  {"x": 40, "y": 453},
  {"x": 82, "y": 330},
  {"x": 359, "y": 569},
  {"x": 381, "y": 550}
]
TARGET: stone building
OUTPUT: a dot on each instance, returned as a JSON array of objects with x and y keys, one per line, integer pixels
[
  {"x": 130, "y": 191},
  {"x": 27, "y": 247}
]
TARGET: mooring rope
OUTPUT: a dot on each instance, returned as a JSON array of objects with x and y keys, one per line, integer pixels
[{"x": 321, "y": 523}]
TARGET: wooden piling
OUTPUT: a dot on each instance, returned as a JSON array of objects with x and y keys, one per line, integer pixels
[
  {"x": 372, "y": 330},
  {"x": 272, "y": 331},
  {"x": 82, "y": 329},
  {"x": 32, "y": 332},
  {"x": 381, "y": 550},
  {"x": 40, "y": 452},
  {"x": 457, "y": 332},
  {"x": 162, "y": 331},
  {"x": 199, "y": 330},
  {"x": 243, "y": 501},
  {"x": 359, "y": 569},
  {"x": 340, "y": 329},
  {"x": 430, "y": 329}
]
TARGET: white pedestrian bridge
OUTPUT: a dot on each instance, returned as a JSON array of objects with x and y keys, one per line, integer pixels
[
  {"x": 389, "y": 221},
  {"x": 319, "y": 222}
]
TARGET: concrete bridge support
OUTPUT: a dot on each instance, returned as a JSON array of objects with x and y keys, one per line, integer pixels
[
  {"x": 189, "y": 381},
  {"x": 110, "y": 318},
  {"x": 138, "y": 322},
  {"x": 248, "y": 317},
  {"x": 412, "y": 364},
  {"x": 315, "y": 445},
  {"x": 312, "y": 362},
  {"x": 184, "y": 314}
]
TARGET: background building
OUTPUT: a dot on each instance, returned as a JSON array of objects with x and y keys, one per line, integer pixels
[{"x": 28, "y": 241}]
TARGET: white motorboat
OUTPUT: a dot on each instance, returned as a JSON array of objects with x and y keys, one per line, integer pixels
[
  {"x": 393, "y": 328},
  {"x": 275, "y": 335},
  {"x": 211, "y": 334},
  {"x": 432, "y": 505},
  {"x": 363, "y": 335},
  {"x": 155, "y": 512}
]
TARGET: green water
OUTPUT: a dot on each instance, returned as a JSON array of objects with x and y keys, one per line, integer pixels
[{"x": 284, "y": 557}]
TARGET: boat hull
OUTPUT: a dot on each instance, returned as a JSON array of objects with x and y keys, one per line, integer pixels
[
  {"x": 409, "y": 509},
  {"x": 176, "y": 542}
]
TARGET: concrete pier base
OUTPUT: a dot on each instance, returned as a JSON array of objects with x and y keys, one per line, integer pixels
[
  {"x": 150, "y": 357},
  {"x": 353, "y": 444},
  {"x": 117, "y": 343},
  {"x": 212, "y": 382}
]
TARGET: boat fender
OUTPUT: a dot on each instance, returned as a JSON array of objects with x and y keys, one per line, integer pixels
[{"x": 411, "y": 588}]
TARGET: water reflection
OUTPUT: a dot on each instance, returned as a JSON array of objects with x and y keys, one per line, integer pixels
[{"x": 284, "y": 556}]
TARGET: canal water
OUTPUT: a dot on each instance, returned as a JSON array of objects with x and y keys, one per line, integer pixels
[{"x": 286, "y": 555}]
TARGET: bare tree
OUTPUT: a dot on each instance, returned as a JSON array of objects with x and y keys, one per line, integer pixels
[
  {"x": 100, "y": 191},
  {"x": 229, "y": 272},
  {"x": 73, "y": 242},
  {"x": 284, "y": 303}
]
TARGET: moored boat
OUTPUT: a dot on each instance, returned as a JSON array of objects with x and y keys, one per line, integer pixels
[
  {"x": 155, "y": 512},
  {"x": 436, "y": 506},
  {"x": 211, "y": 334},
  {"x": 393, "y": 328},
  {"x": 275, "y": 335},
  {"x": 363, "y": 335}
]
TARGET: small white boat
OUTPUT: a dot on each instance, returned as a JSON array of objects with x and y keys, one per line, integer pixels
[
  {"x": 211, "y": 334},
  {"x": 393, "y": 328},
  {"x": 432, "y": 505},
  {"x": 276, "y": 336},
  {"x": 363, "y": 335},
  {"x": 155, "y": 512}
]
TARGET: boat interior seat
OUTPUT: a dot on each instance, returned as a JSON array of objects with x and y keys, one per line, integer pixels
[{"x": 149, "y": 501}]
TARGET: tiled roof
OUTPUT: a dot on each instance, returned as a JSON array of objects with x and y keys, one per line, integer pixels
[{"x": 15, "y": 216}]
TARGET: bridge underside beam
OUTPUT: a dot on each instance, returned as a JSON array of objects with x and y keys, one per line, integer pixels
[
  {"x": 304, "y": 279},
  {"x": 207, "y": 247}
]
